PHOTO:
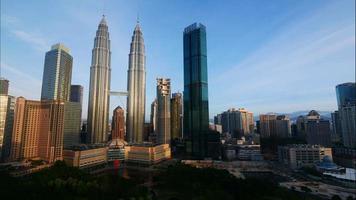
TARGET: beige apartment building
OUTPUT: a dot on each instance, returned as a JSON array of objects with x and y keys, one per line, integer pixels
[
  {"x": 38, "y": 130},
  {"x": 147, "y": 153},
  {"x": 85, "y": 156}
]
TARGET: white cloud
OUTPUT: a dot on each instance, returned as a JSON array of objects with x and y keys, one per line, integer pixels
[
  {"x": 37, "y": 42},
  {"x": 14, "y": 26},
  {"x": 296, "y": 69},
  {"x": 21, "y": 83}
]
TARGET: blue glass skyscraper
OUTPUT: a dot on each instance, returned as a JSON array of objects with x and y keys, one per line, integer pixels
[
  {"x": 76, "y": 93},
  {"x": 195, "y": 96},
  {"x": 346, "y": 94},
  {"x": 346, "y": 102},
  {"x": 57, "y": 74}
]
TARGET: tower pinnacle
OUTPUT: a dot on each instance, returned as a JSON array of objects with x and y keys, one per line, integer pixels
[{"x": 103, "y": 20}]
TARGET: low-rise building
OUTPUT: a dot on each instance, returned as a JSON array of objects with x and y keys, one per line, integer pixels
[
  {"x": 116, "y": 150},
  {"x": 85, "y": 156},
  {"x": 147, "y": 153},
  {"x": 300, "y": 155},
  {"x": 249, "y": 152}
]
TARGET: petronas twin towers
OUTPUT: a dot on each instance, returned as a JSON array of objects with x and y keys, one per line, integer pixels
[
  {"x": 136, "y": 87},
  {"x": 99, "y": 90}
]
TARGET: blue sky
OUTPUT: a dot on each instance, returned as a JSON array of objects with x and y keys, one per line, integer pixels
[{"x": 265, "y": 56}]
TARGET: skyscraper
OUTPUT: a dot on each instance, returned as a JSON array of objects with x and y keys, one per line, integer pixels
[
  {"x": 283, "y": 126},
  {"x": 4, "y": 86},
  {"x": 272, "y": 125},
  {"x": 336, "y": 124},
  {"x": 348, "y": 124},
  {"x": 7, "y": 106},
  {"x": 195, "y": 95},
  {"x": 268, "y": 125},
  {"x": 346, "y": 101},
  {"x": 38, "y": 130},
  {"x": 118, "y": 124},
  {"x": 346, "y": 94},
  {"x": 317, "y": 129},
  {"x": 57, "y": 74},
  {"x": 72, "y": 123},
  {"x": 7, "y": 125},
  {"x": 76, "y": 93},
  {"x": 136, "y": 87},
  {"x": 237, "y": 122},
  {"x": 99, "y": 89},
  {"x": 163, "y": 111},
  {"x": 73, "y": 117},
  {"x": 6, "y": 117},
  {"x": 176, "y": 115}
]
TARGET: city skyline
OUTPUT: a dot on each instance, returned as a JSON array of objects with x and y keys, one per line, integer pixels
[
  {"x": 230, "y": 82},
  {"x": 332, "y": 32}
]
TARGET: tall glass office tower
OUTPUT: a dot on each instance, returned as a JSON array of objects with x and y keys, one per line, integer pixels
[
  {"x": 195, "y": 96},
  {"x": 346, "y": 94},
  {"x": 136, "y": 87},
  {"x": 99, "y": 89},
  {"x": 346, "y": 101},
  {"x": 57, "y": 74}
]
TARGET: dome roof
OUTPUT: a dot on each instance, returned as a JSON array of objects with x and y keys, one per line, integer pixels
[
  {"x": 313, "y": 113},
  {"x": 117, "y": 143},
  {"x": 327, "y": 163}
]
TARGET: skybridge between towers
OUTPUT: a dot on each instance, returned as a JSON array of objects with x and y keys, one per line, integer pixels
[{"x": 114, "y": 93}]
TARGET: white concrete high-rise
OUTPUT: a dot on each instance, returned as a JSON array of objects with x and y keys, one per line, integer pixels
[
  {"x": 136, "y": 87},
  {"x": 99, "y": 89}
]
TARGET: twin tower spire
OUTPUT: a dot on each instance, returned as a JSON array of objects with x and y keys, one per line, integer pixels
[{"x": 99, "y": 89}]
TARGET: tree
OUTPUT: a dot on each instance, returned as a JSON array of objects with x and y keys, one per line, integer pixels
[{"x": 336, "y": 197}]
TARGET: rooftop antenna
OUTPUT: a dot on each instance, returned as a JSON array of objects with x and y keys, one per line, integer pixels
[
  {"x": 103, "y": 7},
  {"x": 138, "y": 12}
]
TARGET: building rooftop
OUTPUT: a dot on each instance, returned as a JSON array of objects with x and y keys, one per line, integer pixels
[
  {"x": 83, "y": 147},
  {"x": 313, "y": 113},
  {"x": 346, "y": 84},
  {"x": 302, "y": 146},
  {"x": 193, "y": 27},
  {"x": 145, "y": 144},
  {"x": 117, "y": 143},
  {"x": 60, "y": 46}
]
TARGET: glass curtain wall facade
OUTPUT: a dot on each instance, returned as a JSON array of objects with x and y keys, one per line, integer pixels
[
  {"x": 57, "y": 74},
  {"x": 346, "y": 94},
  {"x": 346, "y": 101},
  {"x": 195, "y": 96}
]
